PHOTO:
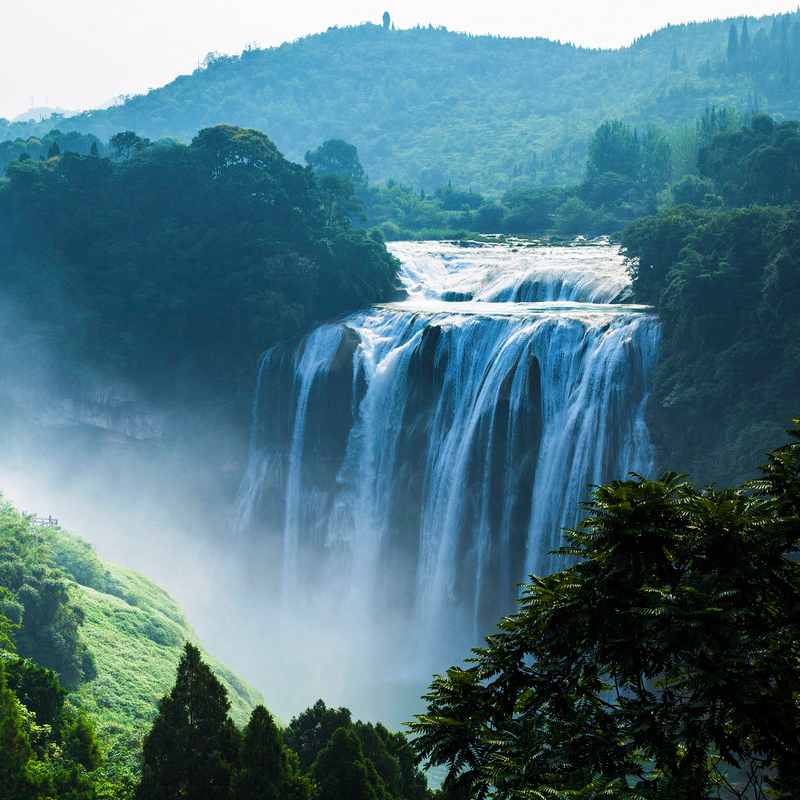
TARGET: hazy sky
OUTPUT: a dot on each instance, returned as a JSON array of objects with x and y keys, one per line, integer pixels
[{"x": 80, "y": 54}]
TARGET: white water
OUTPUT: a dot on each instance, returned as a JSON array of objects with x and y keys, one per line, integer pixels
[{"x": 418, "y": 458}]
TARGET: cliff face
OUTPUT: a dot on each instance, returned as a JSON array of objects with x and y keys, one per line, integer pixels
[{"x": 108, "y": 406}]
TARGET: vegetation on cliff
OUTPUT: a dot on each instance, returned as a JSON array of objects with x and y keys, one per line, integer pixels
[
  {"x": 725, "y": 283},
  {"x": 106, "y": 634},
  {"x": 175, "y": 266}
]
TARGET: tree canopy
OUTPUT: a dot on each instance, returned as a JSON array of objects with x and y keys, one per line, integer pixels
[
  {"x": 177, "y": 266},
  {"x": 192, "y": 747},
  {"x": 663, "y": 662}
]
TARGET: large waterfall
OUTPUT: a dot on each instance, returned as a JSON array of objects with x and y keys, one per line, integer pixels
[{"x": 413, "y": 461}]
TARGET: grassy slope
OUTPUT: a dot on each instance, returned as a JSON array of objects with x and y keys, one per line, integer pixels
[
  {"x": 134, "y": 631},
  {"x": 136, "y": 643}
]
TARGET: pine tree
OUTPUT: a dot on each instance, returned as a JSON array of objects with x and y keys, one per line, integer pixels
[
  {"x": 266, "y": 772},
  {"x": 342, "y": 773},
  {"x": 733, "y": 45},
  {"x": 744, "y": 43},
  {"x": 192, "y": 747}
]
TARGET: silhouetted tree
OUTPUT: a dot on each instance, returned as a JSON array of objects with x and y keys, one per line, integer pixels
[{"x": 662, "y": 659}]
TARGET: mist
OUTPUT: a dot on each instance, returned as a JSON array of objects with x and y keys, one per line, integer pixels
[{"x": 153, "y": 488}]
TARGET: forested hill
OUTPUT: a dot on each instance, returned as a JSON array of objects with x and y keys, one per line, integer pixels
[
  {"x": 427, "y": 105},
  {"x": 176, "y": 266}
]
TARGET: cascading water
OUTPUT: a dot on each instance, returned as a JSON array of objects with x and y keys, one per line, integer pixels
[{"x": 418, "y": 458}]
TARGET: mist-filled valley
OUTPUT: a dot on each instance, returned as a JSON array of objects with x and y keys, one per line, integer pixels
[{"x": 498, "y": 363}]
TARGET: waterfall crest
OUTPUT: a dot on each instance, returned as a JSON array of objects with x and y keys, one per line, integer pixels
[{"x": 416, "y": 459}]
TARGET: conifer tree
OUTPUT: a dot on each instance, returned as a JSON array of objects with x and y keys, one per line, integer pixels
[
  {"x": 342, "y": 773},
  {"x": 733, "y": 45},
  {"x": 266, "y": 772},
  {"x": 192, "y": 748}
]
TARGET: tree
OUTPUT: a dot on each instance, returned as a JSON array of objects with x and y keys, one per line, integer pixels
[
  {"x": 8, "y": 627},
  {"x": 614, "y": 147},
  {"x": 387, "y": 20},
  {"x": 79, "y": 742},
  {"x": 266, "y": 772},
  {"x": 339, "y": 200},
  {"x": 733, "y": 46},
  {"x": 191, "y": 749},
  {"x": 311, "y": 730},
  {"x": 744, "y": 43},
  {"x": 662, "y": 663},
  {"x": 126, "y": 143},
  {"x": 340, "y": 157},
  {"x": 15, "y": 748},
  {"x": 37, "y": 689},
  {"x": 342, "y": 773}
]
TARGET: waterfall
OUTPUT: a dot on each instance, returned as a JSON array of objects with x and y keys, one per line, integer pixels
[{"x": 418, "y": 458}]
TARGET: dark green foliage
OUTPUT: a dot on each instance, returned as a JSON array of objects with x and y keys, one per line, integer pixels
[
  {"x": 733, "y": 46},
  {"x": 46, "y": 748},
  {"x": 126, "y": 143},
  {"x": 79, "y": 744},
  {"x": 37, "y": 689},
  {"x": 50, "y": 145},
  {"x": 758, "y": 163},
  {"x": 341, "y": 772},
  {"x": 662, "y": 663},
  {"x": 265, "y": 771},
  {"x": 726, "y": 287},
  {"x": 178, "y": 266},
  {"x": 49, "y": 622},
  {"x": 192, "y": 747},
  {"x": 378, "y": 762},
  {"x": 340, "y": 203},
  {"x": 339, "y": 157},
  {"x": 15, "y": 748},
  {"x": 614, "y": 147},
  {"x": 311, "y": 730},
  {"x": 10, "y": 616}
]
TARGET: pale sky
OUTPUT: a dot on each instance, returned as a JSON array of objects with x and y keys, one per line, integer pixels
[{"x": 80, "y": 54}]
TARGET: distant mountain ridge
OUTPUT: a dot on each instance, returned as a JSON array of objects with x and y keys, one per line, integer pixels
[{"x": 426, "y": 105}]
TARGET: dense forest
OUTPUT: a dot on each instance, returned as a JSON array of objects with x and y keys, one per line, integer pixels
[
  {"x": 175, "y": 266},
  {"x": 661, "y": 662},
  {"x": 199, "y": 275},
  {"x": 725, "y": 281},
  {"x": 426, "y": 106}
]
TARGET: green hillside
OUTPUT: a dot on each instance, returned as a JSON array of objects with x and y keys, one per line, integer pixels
[
  {"x": 427, "y": 105},
  {"x": 113, "y": 637},
  {"x": 136, "y": 641}
]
